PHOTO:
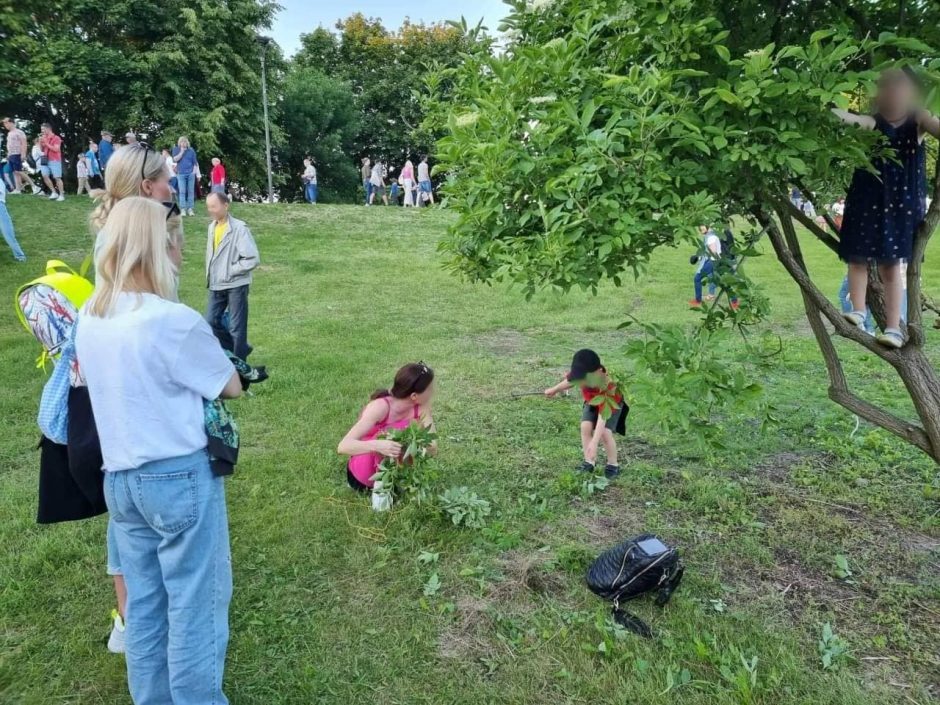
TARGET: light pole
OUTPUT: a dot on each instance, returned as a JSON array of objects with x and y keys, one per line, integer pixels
[{"x": 265, "y": 41}]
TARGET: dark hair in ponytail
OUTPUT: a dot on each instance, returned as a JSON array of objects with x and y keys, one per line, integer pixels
[{"x": 413, "y": 378}]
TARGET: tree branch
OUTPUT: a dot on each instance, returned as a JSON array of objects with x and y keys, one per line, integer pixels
[
  {"x": 825, "y": 214},
  {"x": 871, "y": 413},
  {"x": 807, "y": 222},
  {"x": 839, "y": 389},
  {"x": 825, "y": 307},
  {"x": 915, "y": 326}
]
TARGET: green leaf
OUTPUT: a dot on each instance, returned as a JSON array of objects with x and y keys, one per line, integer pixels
[
  {"x": 432, "y": 586},
  {"x": 727, "y": 96},
  {"x": 723, "y": 52}
]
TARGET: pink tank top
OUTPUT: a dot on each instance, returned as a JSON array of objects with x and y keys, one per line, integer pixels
[{"x": 363, "y": 467}]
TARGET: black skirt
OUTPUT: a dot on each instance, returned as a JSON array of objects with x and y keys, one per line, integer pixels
[{"x": 71, "y": 480}]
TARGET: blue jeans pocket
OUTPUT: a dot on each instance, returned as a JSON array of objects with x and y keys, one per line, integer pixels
[{"x": 168, "y": 500}]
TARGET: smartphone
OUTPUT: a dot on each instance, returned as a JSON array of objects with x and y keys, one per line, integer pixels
[{"x": 652, "y": 547}]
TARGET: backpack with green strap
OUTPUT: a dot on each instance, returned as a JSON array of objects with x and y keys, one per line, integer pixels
[{"x": 48, "y": 305}]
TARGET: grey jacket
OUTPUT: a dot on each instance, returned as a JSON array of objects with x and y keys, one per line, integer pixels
[{"x": 230, "y": 266}]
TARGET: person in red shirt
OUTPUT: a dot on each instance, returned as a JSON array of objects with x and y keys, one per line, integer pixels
[
  {"x": 217, "y": 176},
  {"x": 51, "y": 145},
  {"x": 591, "y": 376}
]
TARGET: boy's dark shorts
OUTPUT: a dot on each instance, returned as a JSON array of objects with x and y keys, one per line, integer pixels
[
  {"x": 589, "y": 413},
  {"x": 16, "y": 162}
]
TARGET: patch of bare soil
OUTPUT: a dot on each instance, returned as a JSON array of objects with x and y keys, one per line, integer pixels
[
  {"x": 525, "y": 574},
  {"x": 468, "y": 636},
  {"x": 502, "y": 342},
  {"x": 524, "y": 577},
  {"x": 617, "y": 518},
  {"x": 776, "y": 467},
  {"x": 639, "y": 449}
]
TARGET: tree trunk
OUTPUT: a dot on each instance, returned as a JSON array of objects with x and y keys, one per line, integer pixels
[{"x": 911, "y": 363}]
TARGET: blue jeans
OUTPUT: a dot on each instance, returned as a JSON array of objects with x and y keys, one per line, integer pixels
[
  {"x": 187, "y": 189},
  {"x": 234, "y": 336},
  {"x": 310, "y": 193},
  {"x": 367, "y": 185},
  {"x": 114, "y": 553},
  {"x": 869, "y": 320},
  {"x": 6, "y": 226},
  {"x": 171, "y": 528},
  {"x": 707, "y": 271}
]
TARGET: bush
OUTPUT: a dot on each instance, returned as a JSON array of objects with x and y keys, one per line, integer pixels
[{"x": 465, "y": 508}]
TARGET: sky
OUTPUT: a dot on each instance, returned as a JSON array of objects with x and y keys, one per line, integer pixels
[{"x": 303, "y": 16}]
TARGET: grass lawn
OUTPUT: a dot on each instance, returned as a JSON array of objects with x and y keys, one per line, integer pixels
[{"x": 332, "y": 604}]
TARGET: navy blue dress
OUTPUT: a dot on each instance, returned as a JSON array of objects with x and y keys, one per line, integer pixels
[{"x": 884, "y": 210}]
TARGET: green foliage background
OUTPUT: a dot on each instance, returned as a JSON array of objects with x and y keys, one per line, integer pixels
[{"x": 174, "y": 67}]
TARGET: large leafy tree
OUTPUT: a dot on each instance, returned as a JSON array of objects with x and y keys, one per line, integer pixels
[
  {"x": 160, "y": 68},
  {"x": 385, "y": 70},
  {"x": 760, "y": 22},
  {"x": 320, "y": 120},
  {"x": 609, "y": 130}
]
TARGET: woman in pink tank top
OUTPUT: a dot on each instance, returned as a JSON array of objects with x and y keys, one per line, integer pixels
[{"x": 408, "y": 400}]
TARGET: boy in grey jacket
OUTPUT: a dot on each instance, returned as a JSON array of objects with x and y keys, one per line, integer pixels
[{"x": 231, "y": 255}]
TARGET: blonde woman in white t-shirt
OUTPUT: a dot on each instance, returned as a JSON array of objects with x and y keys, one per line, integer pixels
[{"x": 149, "y": 363}]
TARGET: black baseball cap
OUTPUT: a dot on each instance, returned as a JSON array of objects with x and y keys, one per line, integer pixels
[{"x": 583, "y": 363}]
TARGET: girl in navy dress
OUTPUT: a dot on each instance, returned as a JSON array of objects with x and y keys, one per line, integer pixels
[{"x": 884, "y": 209}]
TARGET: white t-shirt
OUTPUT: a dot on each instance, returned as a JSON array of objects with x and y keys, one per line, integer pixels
[
  {"x": 838, "y": 208},
  {"x": 310, "y": 174},
  {"x": 712, "y": 245},
  {"x": 377, "y": 174},
  {"x": 81, "y": 170},
  {"x": 171, "y": 166},
  {"x": 424, "y": 174},
  {"x": 148, "y": 369}
]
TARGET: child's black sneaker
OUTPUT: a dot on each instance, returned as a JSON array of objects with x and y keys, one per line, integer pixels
[
  {"x": 611, "y": 471},
  {"x": 586, "y": 467}
]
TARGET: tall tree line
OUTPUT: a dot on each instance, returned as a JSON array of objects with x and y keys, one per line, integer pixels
[
  {"x": 193, "y": 67},
  {"x": 355, "y": 93}
]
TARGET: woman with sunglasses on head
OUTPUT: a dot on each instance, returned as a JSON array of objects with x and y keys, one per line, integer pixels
[
  {"x": 149, "y": 362},
  {"x": 408, "y": 400},
  {"x": 133, "y": 170}
]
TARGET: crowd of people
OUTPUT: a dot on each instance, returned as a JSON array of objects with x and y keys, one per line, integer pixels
[
  {"x": 411, "y": 188},
  {"x": 41, "y": 168}
]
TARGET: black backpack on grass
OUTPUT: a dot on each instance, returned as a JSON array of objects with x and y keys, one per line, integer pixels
[{"x": 632, "y": 569}]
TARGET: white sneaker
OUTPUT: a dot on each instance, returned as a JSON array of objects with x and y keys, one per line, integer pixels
[
  {"x": 37, "y": 191},
  {"x": 116, "y": 640},
  {"x": 53, "y": 196},
  {"x": 61, "y": 197},
  {"x": 192, "y": 212},
  {"x": 15, "y": 192}
]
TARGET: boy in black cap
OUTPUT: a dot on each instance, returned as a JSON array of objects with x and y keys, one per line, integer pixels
[{"x": 589, "y": 374}]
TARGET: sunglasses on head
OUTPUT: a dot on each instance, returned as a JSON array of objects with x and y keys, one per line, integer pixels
[
  {"x": 143, "y": 165},
  {"x": 171, "y": 209}
]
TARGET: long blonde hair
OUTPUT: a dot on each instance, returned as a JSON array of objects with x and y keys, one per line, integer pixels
[
  {"x": 122, "y": 179},
  {"x": 134, "y": 256}
]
